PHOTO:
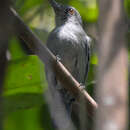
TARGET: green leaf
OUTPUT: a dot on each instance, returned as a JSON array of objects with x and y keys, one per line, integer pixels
[
  {"x": 16, "y": 50},
  {"x": 24, "y": 83},
  {"x": 31, "y": 119}
]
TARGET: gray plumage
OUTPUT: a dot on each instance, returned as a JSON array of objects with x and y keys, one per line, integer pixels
[{"x": 69, "y": 41}]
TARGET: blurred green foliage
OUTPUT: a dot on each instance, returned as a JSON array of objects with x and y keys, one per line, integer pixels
[
  {"x": 26, "y": 5},
  {"x": 21, "y": 119},
  {"x": 87, "y": 8},
  {"x": 127, "y": 7},
  {"x": 24, "y": 84},
  {"x": 15, "y": 49},
  {"x": 25, "y": 79}
]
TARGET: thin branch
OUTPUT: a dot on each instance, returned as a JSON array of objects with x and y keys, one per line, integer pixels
[{"x": 48, "y": 58}]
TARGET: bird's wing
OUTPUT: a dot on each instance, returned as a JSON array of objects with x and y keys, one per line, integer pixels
[{"x": 87, "y": 49}]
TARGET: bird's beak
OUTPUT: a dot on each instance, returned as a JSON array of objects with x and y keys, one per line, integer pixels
[{"x": 56, "y": 6}]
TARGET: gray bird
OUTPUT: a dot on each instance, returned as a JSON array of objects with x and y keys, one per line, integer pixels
[{"x": 69, "y": 41}]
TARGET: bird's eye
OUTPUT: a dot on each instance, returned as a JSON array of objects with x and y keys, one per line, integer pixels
[{"x": 71, "y": 11}]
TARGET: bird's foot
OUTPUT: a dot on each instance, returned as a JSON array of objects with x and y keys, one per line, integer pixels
[
  {"x": 82, "y": 86},
  {"x": 58, "y": 58}
]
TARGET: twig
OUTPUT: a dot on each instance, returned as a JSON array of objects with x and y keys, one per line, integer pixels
[{"x": 48, "y": 58}]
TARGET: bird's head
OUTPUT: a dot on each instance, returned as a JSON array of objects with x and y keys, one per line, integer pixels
[{"x": 65, "y": 14}]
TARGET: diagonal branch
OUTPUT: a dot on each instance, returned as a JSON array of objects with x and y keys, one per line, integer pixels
[{"x": 48, "y": 58}]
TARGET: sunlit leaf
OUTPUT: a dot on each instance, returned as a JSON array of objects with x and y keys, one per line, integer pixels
[{"x": 24, "y": 83}]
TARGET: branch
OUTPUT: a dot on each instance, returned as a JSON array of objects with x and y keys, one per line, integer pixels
[{"x": 48, "y": 58}]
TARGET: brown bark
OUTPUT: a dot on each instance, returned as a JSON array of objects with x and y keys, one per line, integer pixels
[
  {"x": 112, "y": 85},
  {"x": 5, "y": 23}
]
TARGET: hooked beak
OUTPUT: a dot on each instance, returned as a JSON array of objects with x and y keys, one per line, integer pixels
[{"x": 56, "y": 6}]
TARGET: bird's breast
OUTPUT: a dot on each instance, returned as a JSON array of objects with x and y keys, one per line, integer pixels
[{"x": 69, "y": 33}]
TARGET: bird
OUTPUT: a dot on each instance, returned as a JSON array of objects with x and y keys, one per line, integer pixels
[{"x": 71, "y": 45}]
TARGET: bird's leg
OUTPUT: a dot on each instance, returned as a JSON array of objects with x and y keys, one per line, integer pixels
[
  {"x": 58, "y": 58},
  {"x": 82, "y": 86}
]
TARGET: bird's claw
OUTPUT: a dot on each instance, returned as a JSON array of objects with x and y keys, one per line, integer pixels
[
  {"x": 58, "y": 58},
  {"x": 82, "y": 86}
]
